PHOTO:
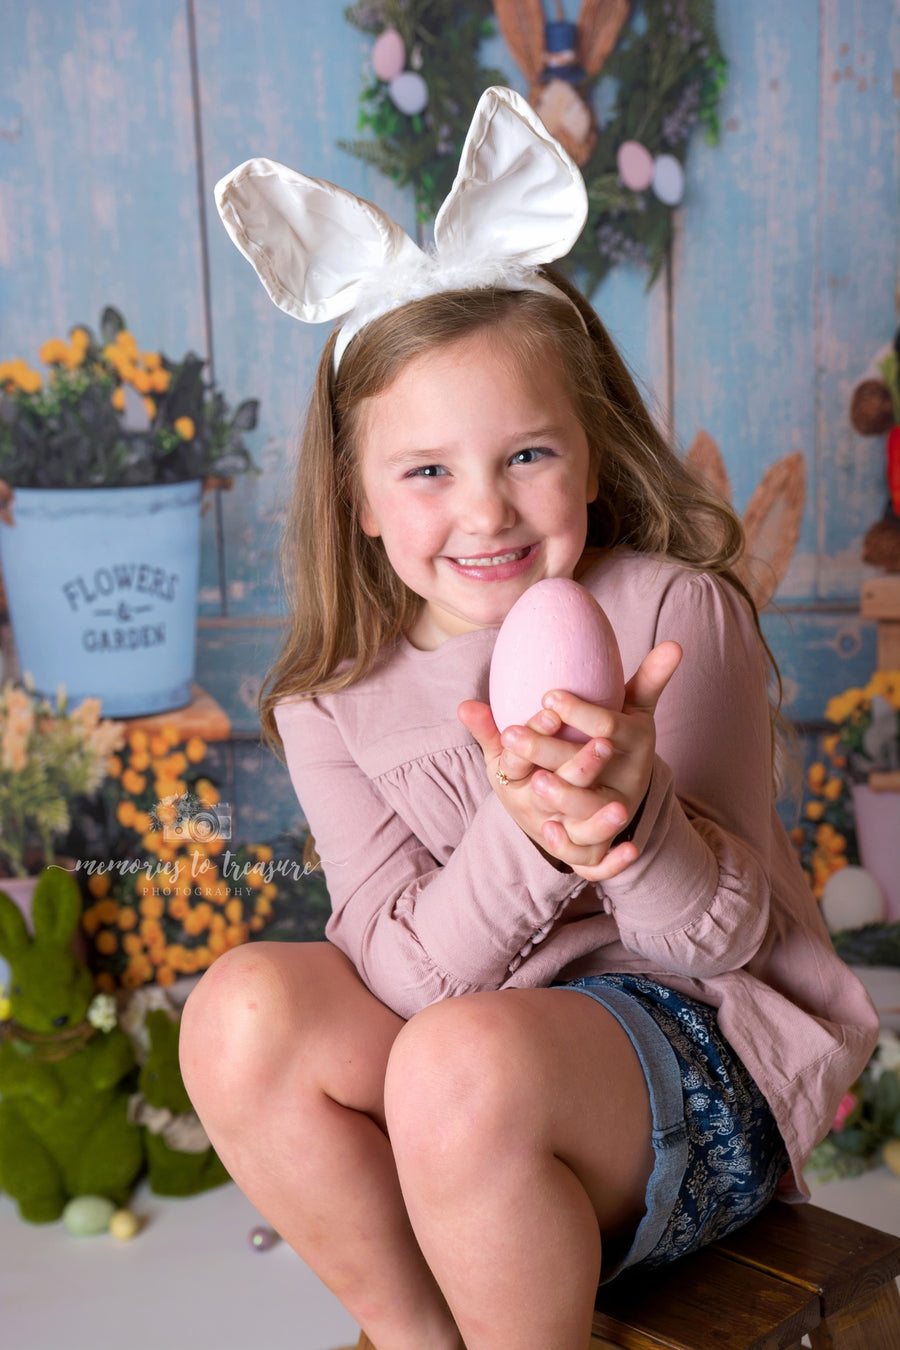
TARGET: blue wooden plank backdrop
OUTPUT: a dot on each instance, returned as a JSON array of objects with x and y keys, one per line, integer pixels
[{"x": 117, "y": 118}]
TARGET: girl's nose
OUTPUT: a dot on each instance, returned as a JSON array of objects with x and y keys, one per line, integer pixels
[{"x": 487, "y": 510}]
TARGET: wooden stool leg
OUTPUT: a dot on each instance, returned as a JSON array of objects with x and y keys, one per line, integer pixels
[{"x": 871, "y": 1323}]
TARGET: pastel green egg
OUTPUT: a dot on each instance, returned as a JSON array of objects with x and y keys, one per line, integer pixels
[
  {"x": 891, "y": 1155},
  {"x": 88, "y": 1214}
]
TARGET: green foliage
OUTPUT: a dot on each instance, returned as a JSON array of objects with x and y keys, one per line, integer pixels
[
  {"x": 890, "y": 370},
  {"x": 869, "y": 1117},
  {"x": 108, "y": 415},
  {"x": 875, "y": 944},
  {"x": 48, "y": 755},
  {"x": 442, "y": 40},
  {"x": 664, "y": 78}
]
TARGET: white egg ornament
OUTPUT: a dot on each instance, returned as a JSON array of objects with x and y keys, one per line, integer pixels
[{"x": 556, "y": 636}]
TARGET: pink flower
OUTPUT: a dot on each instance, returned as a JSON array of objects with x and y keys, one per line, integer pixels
[{"x": 848, "y": 1103}]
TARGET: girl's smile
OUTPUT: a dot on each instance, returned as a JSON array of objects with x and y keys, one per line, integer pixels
[{"x": 476, "y": 477}]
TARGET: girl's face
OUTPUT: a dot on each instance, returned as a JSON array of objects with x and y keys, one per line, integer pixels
[{"x": 477, "y": 479}]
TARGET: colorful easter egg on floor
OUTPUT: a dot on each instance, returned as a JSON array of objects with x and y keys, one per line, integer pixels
[
  {"x": 88, "y": 1214},
  {"x": 124, "y": 1224},
  {"x": 851, "y": 898},
  {"x": 556, "y": 636},
  {"x": 891, "y": 1155},
  {"x": 388, "y": 54}
]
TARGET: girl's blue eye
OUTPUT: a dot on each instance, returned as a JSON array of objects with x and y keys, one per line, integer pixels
[
  {"x": 529, "y": 456},
  {"x": 428, "y": 471}
]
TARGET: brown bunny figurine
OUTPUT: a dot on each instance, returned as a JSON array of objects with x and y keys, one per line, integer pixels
[{"x": 556, "y": 56}]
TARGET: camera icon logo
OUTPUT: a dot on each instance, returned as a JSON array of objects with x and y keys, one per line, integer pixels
[{"x": 187, "y": 820}]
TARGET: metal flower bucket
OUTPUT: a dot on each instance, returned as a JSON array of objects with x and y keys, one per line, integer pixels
[{"x": 101, "y": 586}]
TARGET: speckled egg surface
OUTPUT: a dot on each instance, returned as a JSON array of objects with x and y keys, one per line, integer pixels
[{"x": 556, "y": 636}]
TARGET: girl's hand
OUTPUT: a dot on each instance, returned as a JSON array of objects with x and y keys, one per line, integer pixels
[{"x": 573, "y": 800}]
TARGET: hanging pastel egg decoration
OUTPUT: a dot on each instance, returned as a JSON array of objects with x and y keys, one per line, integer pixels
[
  {"x": 388, "y": 55},
  {"x": 635, "y": 164},
  {"x": 668, "y": 179},
  {"x": 409, "y": 92}
]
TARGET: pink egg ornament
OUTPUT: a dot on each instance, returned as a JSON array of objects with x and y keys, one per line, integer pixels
[
  {"x": 388, "y": 55},
  {"x": 556, "y": 636},
  {"x": 635, "y": 164}
]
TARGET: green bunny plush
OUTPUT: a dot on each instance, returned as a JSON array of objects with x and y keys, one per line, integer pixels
[
  {"x": 180, "y": 1158},
  {"x": 64, "y": 1082}
]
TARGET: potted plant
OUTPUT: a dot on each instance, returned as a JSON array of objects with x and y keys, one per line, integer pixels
[
  {"x": 49, "y": 754},
  {"x": 103, "y": 458},
  {"x": 865, "y": 748}
]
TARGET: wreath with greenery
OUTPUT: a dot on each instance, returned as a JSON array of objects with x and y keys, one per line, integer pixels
[
  {"x": 663, "y": 78},
  {"x": 441, "y": 40}
]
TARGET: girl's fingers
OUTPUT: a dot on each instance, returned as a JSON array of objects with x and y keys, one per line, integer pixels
[
  {"x": 597, "y": 862},
  {"x": 642, "y": 694},
  {"x": 589, "y": 815},
  {"x": 478, "y": 719},
  {"x": 643, "y": 690}
]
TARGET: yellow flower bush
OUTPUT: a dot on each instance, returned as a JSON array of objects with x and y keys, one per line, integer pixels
[
  {"x": 105, "y": 413},
  {"x": 164, "y": 896},
  {"x": 48, "y": 755},
  {"x": 866, "y": 738}
]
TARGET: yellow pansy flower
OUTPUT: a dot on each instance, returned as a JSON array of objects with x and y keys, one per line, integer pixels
[
  {"x": 127, "y": 344},
  {"x": 185, "y": 428},
  {"x": 54, "y": 352}
]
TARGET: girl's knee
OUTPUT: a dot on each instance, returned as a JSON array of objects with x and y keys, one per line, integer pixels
[
  {"x": 243, "y": 1015},
  {"x": 454, "y": 1085}
]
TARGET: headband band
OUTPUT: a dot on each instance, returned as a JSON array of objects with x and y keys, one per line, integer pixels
[{"x": 323, "y": 254}]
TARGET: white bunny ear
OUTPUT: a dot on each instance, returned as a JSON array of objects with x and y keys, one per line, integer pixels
[
  {"x": 517, "y": 194},
  {"x": 310, "y": 242}
]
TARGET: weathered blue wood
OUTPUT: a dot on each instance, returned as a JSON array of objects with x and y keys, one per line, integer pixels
[
  {"x": 232, "y": 663},
  {"x": 281, "y": 82},
  {"x": 858, "y": 222},
  {"x": 819, "y": 654},
  {"x": 745, "y": 262},
  {"x": 98, "y": 185}
]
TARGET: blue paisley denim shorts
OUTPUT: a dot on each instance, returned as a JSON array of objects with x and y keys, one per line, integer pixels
[{"x": 719, "y": 1154}]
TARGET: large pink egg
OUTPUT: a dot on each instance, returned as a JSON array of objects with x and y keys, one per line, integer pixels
[
  {"x": 555, "y": 636},
  {"x": 388, "y": 54}
]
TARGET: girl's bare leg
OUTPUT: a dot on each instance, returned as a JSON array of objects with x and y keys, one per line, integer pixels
[
  {"x": 520, "y": 1123},
  {"x": 284, "y": 1053}
]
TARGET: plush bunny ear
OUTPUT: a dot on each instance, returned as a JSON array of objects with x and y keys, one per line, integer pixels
[
  {"x": 517, "y": 194},
  {"x": 310, "y": 242},
  {"x": 14, "y": 938},
  {"x": 55, "y": 908}
]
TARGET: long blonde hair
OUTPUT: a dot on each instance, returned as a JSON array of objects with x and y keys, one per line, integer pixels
[{"x": 345, "y": 602}]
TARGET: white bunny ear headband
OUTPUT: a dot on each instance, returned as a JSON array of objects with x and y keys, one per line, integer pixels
[{"x": 323, "y": 254}]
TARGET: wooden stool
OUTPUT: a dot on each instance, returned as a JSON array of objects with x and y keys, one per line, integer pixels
[{"x": 794, "y": 1271}]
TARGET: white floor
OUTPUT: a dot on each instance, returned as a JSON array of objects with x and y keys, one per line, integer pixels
[{"x": 191, "y": 1279}]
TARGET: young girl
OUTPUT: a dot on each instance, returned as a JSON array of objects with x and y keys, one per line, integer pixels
[{"x": 577, "y": 1010}]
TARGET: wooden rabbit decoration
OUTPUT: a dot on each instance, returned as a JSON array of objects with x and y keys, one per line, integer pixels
[
  {"x": 771, "y": 519},
  {"x": 556, "y": 57}
]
